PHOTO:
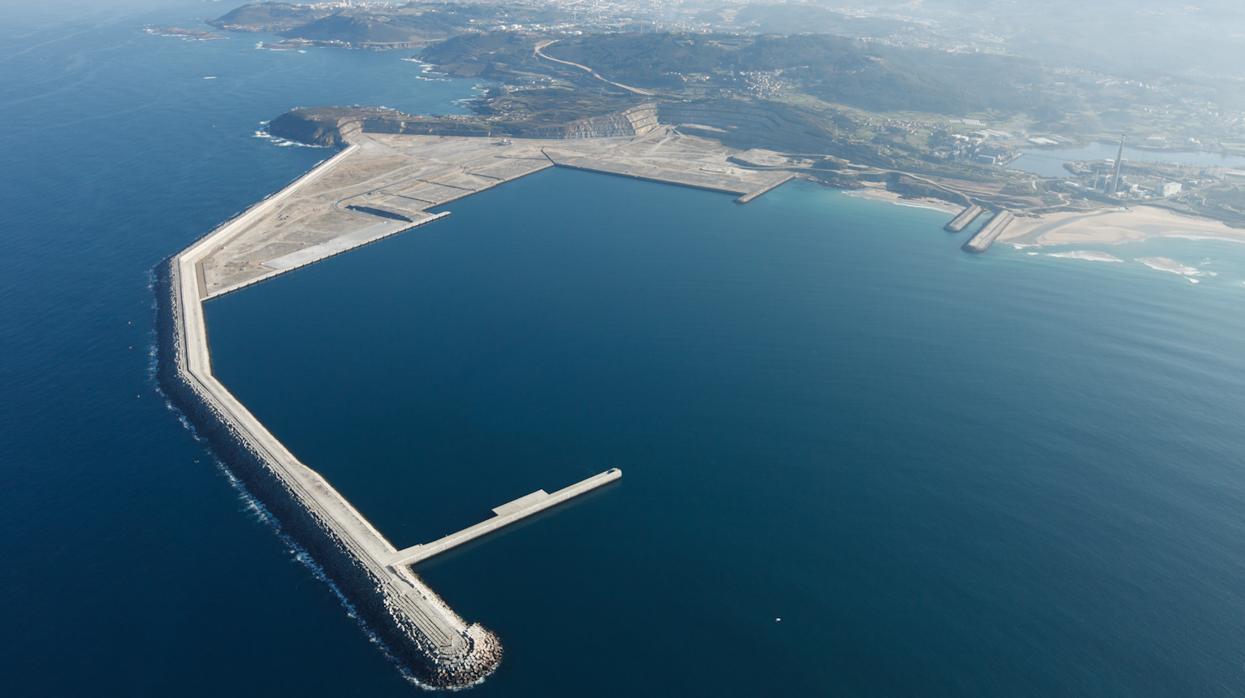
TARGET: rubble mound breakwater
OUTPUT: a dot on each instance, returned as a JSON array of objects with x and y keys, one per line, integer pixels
[{"x": 417, "y": 627}]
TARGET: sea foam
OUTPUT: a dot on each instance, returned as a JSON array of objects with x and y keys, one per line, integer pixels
[{"x": 1086, "y": 255}]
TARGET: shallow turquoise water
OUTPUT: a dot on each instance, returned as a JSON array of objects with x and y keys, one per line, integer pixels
[{"x": 945, "y": 473}]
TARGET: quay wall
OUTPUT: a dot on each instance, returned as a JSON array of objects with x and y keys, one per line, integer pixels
[{"x": 583, "y": 165}]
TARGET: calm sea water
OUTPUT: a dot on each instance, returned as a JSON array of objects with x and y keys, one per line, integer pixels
[{"x": 946, "y": 474}]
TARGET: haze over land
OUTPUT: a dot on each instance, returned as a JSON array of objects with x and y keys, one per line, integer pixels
[{"x": 930, "y": 98}]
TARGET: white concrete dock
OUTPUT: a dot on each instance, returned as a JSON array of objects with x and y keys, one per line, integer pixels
[{"x": 504, "y": 515}]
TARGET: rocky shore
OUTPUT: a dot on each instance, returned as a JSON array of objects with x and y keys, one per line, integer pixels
[{"x": 331, "y": 126}]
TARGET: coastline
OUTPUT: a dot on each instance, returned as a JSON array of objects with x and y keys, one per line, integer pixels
[
  {"x": 878, "y": 193},
  {"x": 1115, "y": 226}
]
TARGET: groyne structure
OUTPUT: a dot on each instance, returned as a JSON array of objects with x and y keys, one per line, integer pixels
[
  {"x": 378, "y": 186},
  {"x": 963, "y": 219},
  {"x": 989, "y": 232}
]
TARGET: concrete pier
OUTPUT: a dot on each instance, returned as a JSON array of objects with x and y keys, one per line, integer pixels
[
  {"x": 963, "y": 219},
  {"x": 746, "y": 198},
  {"x": 504, "y": 515},
  {"x": 989, "y": 232}
]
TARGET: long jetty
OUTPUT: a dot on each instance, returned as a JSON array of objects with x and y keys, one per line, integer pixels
[
  {"x": 416, "y": 625},
  {"x": 504, "y": 515},
  {"x": 989, "y": 232},
  {"x": 964, "y": 218}
]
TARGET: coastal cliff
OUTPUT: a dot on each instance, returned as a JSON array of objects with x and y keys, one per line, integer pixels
[{"x": 332, "y": 126}]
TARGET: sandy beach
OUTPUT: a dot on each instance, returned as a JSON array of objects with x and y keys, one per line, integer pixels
[
  {"x": 1114, "y": 226},
  {"x": 882, "y": 194}
]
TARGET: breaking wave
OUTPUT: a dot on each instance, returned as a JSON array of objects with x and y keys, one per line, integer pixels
[{"x": 1086, "y": 255}]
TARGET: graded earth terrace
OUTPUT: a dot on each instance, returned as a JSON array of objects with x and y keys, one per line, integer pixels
[{"x": 383, "y": 184}]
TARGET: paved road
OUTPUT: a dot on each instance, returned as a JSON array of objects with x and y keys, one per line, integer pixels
[{"x": 540, "y": 52}]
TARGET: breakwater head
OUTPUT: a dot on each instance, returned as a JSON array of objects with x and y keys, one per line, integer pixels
[{"x": 989, "y": 232}]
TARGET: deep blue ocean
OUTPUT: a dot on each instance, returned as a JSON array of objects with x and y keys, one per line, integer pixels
[{"x": 857, "y": 461}]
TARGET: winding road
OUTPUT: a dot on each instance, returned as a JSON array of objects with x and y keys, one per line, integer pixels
[{"x": 540, "y": 52}]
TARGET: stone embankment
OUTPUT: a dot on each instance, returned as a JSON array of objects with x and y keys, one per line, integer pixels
[
  {"x": 990, "y": 232},
  {"x": 416, "y": 625}
]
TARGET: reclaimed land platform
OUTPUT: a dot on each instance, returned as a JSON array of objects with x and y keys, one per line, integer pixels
[{"x": 335, "y": 207}]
